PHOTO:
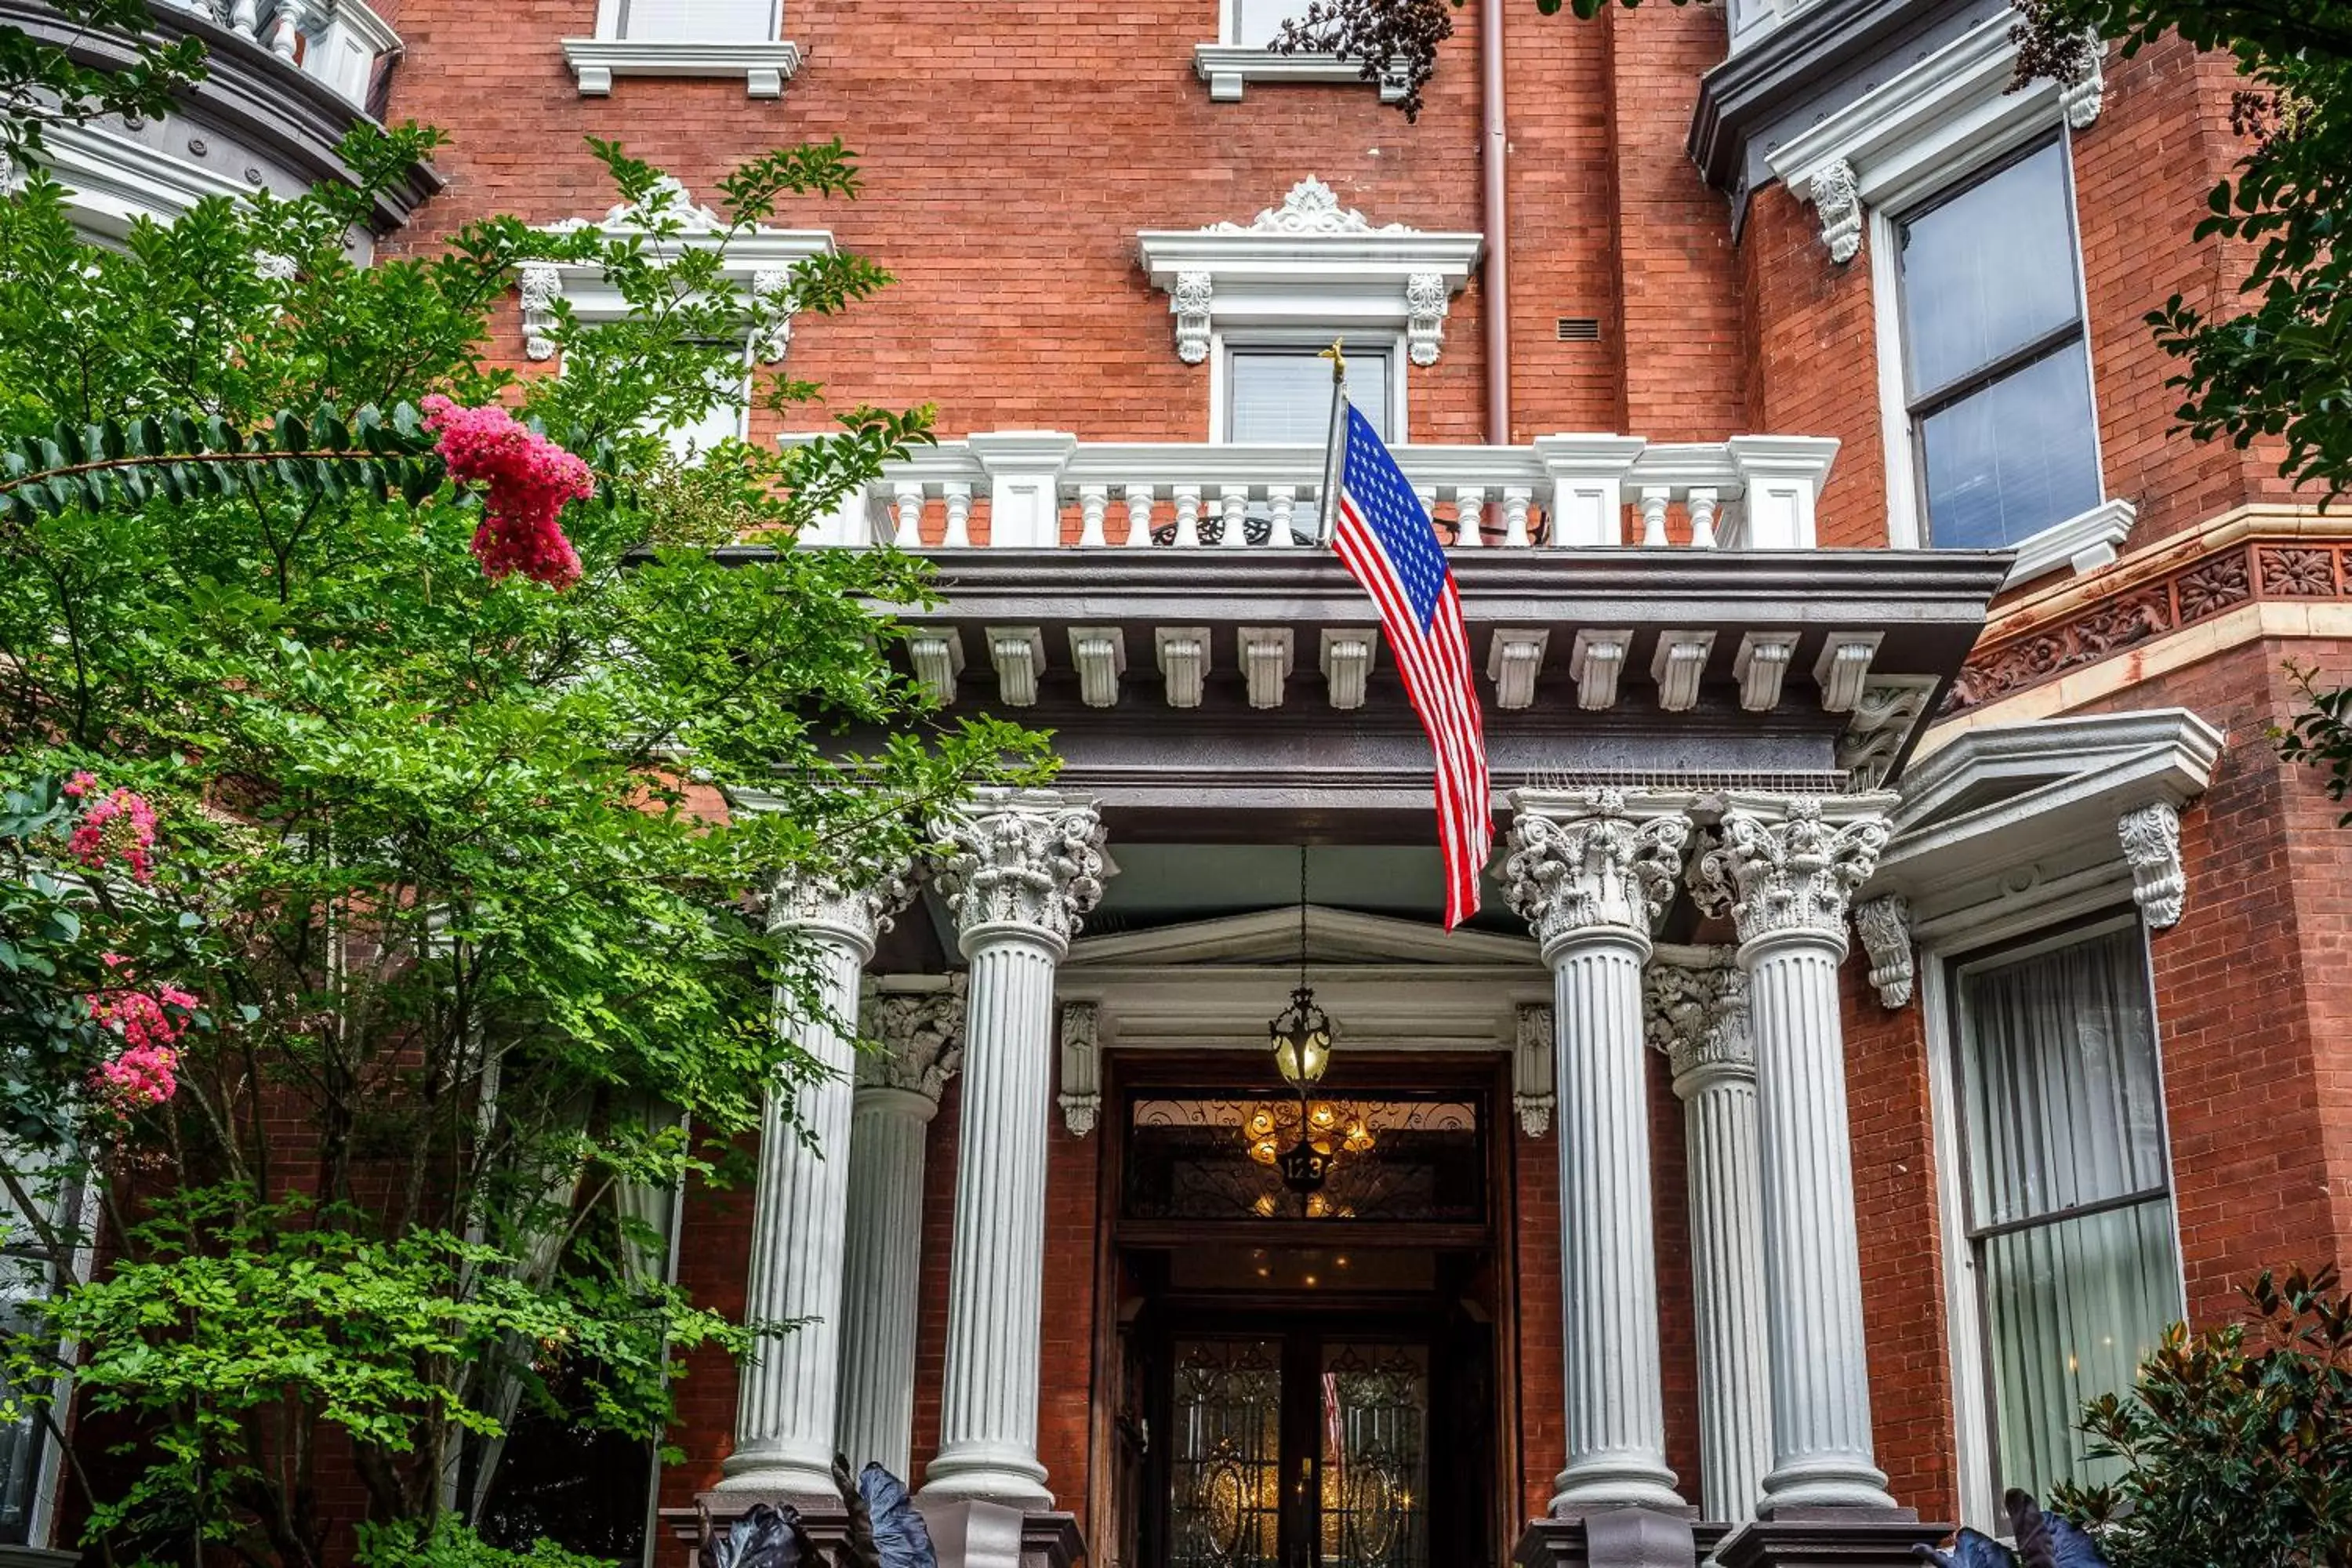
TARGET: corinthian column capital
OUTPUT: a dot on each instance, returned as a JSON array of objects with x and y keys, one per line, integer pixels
[
  {"x": 1790, "y": 867},
  {"x": 1587, "y": 858},
  {"x": 921, "y": 1036},
  {"x": 1695, "y": 1009},
  {"x": 1029, "y": 858},
  {"x": 855, "y": 908}
]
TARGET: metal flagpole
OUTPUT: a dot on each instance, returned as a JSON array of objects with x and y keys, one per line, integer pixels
[{"x": 1335, "y": 446}]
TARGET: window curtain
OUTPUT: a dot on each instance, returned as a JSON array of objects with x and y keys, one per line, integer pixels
[
  {"x": 2063, "y": 1112},
  {"x": 1257, "y": 23}
]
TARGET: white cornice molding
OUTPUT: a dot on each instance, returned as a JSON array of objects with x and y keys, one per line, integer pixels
[
  {"x": 1928, "y": 124},
  {"x": 1388, "y": 985},
  {"x": 111, "y": 180},
  {"x": 764, "y": 67},
  {"x": 2023, "y": 817},
  {"x": 2086, "y": 542},
  {"x": 1228, "y": 68},
  {"x": 1309, "y": 262}
]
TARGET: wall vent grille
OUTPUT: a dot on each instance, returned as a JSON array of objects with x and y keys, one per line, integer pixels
[{"x": 1578, "y": 329}]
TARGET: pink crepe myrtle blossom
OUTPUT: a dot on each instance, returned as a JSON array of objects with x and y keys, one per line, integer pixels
[
  {"x": 528, "y": 478},
  {"x": 142, "y": 1073},
  {"x": 119, "y": 824}
]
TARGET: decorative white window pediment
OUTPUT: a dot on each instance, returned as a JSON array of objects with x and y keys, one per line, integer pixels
[
  {"x": 1928, "y": 125},
  {"x": 760, "y": 260},
  {"x": 1310, "y": 263},
  {"x": 685, "y": 38},
  {"x": 2009, "y": 828}
]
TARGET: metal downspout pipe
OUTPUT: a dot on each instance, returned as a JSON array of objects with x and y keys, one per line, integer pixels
[{"x": 1496, "y": 219}]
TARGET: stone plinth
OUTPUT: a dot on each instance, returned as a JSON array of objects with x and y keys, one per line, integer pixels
[{"x": 1831, "y": 1538}]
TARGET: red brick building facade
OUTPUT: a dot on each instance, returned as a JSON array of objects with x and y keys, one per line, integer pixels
[{"x": 2094, "y": 1043}]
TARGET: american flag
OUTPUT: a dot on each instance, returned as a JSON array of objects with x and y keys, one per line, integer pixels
[{"x": 1386, "y": 541}]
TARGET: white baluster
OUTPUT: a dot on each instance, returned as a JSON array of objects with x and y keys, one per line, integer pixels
[
  {"x": 1092, "y": 501},
  {"x": 1139, "y": 517},
  {"x": 909, "y": 500},
  {"x": 1428, "y": 494},
  {"x": 1233, "y": 501},
  {"x": 1654, "y": 515},
  {"x": 281, "y": 32},
  {"x": 958, "y": 534},
  {"x": 244, "y": 19},
  {"x": 1469, "y": 509},
  {"x": 1188, "y": 517},
  {"x": 1702, "y": 514},
  {"x": 1281, "y": 502},
  {"x": 1517, "y": 498}
]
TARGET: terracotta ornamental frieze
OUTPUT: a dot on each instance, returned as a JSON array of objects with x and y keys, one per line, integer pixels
[{"x": 2171, "y": 591}]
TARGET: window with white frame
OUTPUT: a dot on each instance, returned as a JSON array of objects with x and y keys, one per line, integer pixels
[
  {"x": 1255, "y": 24},
  {"x": 698, "y": 21},
  {"x": 1996, "y": 364},
  {"x": 723, "y": 420},
  {"x": 1283, "y": 394},
  {"x": 2067, "y": 1197}
]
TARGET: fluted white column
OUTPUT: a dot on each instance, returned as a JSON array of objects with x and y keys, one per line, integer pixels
[
  {"x": 1590, "y": 871},
  {"x": 1026, "y": 865},
  {"x": 922, "y": 1034},
  {"x": 1787, "y": 870},
  {"x": 785, "y": 1395},
  {"x": 1698, "y": 1016}
]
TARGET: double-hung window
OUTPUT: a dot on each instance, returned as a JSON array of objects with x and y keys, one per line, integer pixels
[
  {"x": 2069, "y": 1209},
  {"x": 699, "y": 21},
  {"x": 1996, "y": 364},
  {"x": 1284, "y": 394}
]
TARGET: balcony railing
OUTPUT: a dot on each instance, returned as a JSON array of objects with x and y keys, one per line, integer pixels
[
  {"x": 1040, "y": 490},
  {"x": 337, "y": 41}
]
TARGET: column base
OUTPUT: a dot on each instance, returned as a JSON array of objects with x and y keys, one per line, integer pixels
[
  {"x": 986, "y": 1474},
  {"x": 766, "y": 1477},
  {"x": 991, "y": 1536},
  {"x": 1616, "y": 1481},
  {"x": 1831, "y": 1538}
]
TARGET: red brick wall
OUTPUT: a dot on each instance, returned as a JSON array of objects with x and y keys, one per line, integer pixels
[
  {"x": 713, "y": 1262},
  {"x": 1543, "y": 1429},
  {"x": 1073, "y": 1244},
  {"x": 1008, "y": 166},
  {"x": 1814, "y": 358},
  {"x": 2250, "y": 998},
  {"x": 1902, "y": 1255}
]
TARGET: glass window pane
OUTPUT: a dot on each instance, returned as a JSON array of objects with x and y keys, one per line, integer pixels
[
  {"x": 2071, "y": 1310},
  {"x": 2060, "y": 1067},
  {"x": 1373, "y": 1501},
  {"x": 1284, "y": 395},
  {"x": 1987, "y": 272},
  {"x": 1224, "y": 1465},
  {"x": 1255, "y": 22},
  {"x": 703, "y": 21},
  {"x": 2010, "y": 460}
]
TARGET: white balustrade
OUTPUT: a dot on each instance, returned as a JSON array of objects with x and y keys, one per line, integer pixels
[
  {"x": 1029, "y": 490},
  {"x": 339, "y": 44}
]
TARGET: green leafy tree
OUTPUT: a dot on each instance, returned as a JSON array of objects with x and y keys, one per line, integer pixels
[
  {"x": 377, "y": 940},
  {"x": 43, "y": 84},
  {"x": 2236, "y": 1443}
]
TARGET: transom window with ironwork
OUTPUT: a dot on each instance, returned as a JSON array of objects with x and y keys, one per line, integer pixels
[{"x": 1395, "y": 1157}]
